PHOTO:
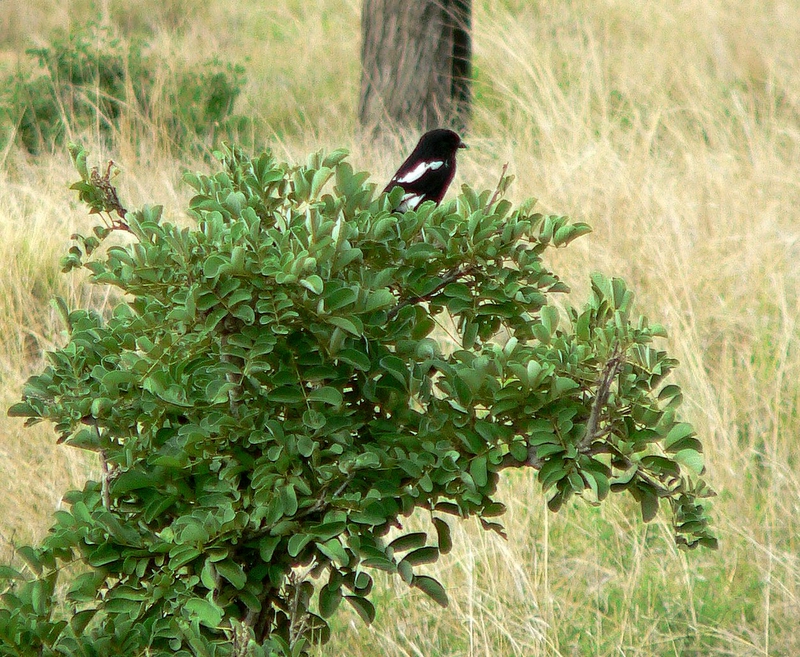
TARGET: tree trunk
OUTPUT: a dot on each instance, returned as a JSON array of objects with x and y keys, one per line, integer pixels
[{"x": 416, "y": 63}]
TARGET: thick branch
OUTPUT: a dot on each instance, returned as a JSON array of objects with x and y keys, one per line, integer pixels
[
  {"x": 593, "y": 431},
  {"x": 610, "y": 371}
]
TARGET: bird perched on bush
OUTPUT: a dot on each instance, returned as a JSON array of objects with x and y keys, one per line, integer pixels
[{"x": 427, "y": 172}]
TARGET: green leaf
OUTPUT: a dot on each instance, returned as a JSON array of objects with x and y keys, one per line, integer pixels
[
  {"x": 477, "y": 469},
  {"x": 432, "y": 588},
  {"x": 445, "y": 541},
  {"x": 661, "y": 465},
  {"x": 286, "y": 395},
  {"x": 334, "y": 550},
  {"x": 355, "y": 358},
  {"x": 80, "y": 620},
  {"x": 396, "y": 367},
  {"x": 463, "y": 391},
  {"x": 305, "y": 445},
  {"x": 551, "y": 472},
  {"x": 677, "y": 433},
  {"x": 214, "y": 265},
  {"x": 233, "y": 572},
  {"x": 180, "y": 555},
  {"x": 297, "y": 542},
  {"x": 194, "y": 532},
  {"x": 328, "y": 395},
  {"x": 380, "y": 299},
  {"x": 493, "y": 509},
  {"x": 321, "y": 176},
  {"x": 205, "y": 611},
  {"x": 472, "y": 441},
  {"x": 288, "y": 497},
  {"x": 547, "y": 450},
  {"x": 363, "y": 607},
  {"x": 329, "y": 600},
  {"x": 352, "y": 325},
  {"x": 408, "y": 542},
  {"x": 549, "y": 317},
  {"x": 313, "y": 283},
  {"x": 422, "y": 555},
  {"x": 22, "y": 409},
  {"x": 103, "y": 555},
  {"x": 597, "y": 481},
  {"x": 266, "y": 547},
  {"x": 649, "y": 503},
  {"x": 40, "y": 597},
  {"x": 692, "y": 459},
  {"x": 9, "y": 573},
  {"x": 340, "y": 298}
]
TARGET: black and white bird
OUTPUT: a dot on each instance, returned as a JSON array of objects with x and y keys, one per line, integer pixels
[{"x": 428, "y": 171}]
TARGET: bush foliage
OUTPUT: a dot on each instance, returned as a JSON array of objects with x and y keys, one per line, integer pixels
[
  {"x": 88, "y": 79},
  {"x": 284, "y": 383}
]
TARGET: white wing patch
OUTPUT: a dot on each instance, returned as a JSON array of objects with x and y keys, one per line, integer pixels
[
  {"x": 409, "y": 202},
  {"x": 420, "y": 170}
]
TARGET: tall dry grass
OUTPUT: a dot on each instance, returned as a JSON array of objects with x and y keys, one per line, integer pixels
[{"x": 674, "y": 129}]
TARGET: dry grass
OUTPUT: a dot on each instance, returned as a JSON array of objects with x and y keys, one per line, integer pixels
[{"x": 674, "y": 129}]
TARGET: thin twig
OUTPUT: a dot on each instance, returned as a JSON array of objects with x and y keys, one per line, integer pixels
[
  {"x": 104, "y": 484},
  {"x": 450, "y": 277},
  {"x": 322, "y": 503},
  {"x": 110, "y": 197},
  {"x": 497, "y": 189},
  {"x": 297, "y": 628}
]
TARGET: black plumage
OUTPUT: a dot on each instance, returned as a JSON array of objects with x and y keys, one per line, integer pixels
[{"x": 428, "y": 171}]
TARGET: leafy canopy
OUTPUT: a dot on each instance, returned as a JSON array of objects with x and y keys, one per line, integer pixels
[{"x": 283, "y": 383}]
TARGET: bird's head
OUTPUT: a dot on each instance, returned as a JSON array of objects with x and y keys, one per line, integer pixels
[{"x": 439, "y": 143}]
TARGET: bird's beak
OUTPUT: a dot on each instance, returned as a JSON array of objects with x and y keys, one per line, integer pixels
[{"x": 462, "y": 145}]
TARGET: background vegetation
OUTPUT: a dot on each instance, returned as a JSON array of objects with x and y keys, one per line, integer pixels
[{"x": 673, "y": 128}]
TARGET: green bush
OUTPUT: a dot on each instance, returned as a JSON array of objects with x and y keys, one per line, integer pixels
[
  {"x": 278, "y": 392},
  {"x": 88, "y": 79}
]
